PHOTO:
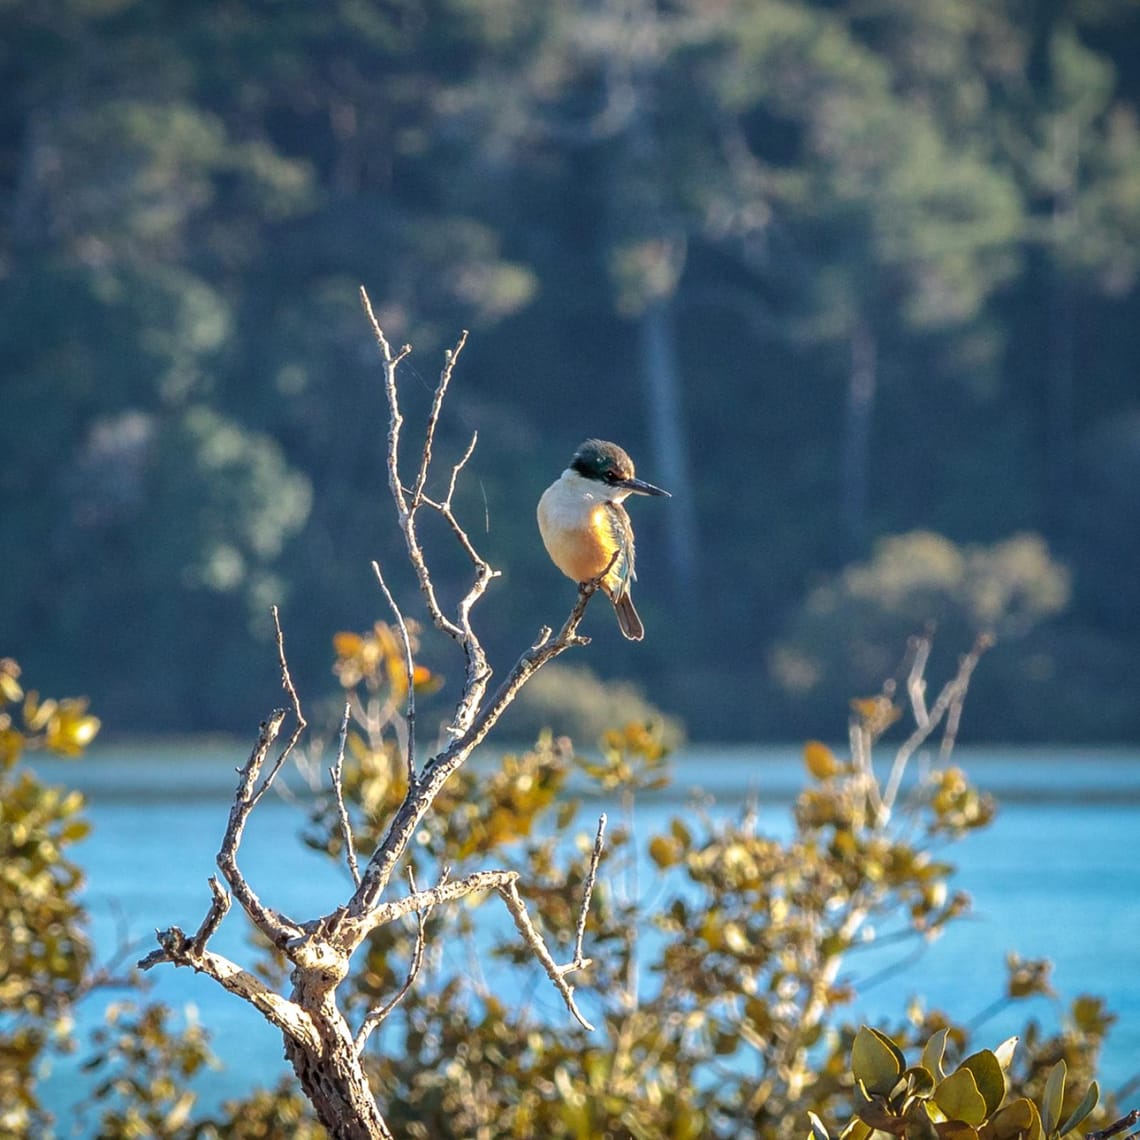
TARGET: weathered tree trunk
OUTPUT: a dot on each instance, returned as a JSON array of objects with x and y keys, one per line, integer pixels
[{"x": 334, "y": 1082}]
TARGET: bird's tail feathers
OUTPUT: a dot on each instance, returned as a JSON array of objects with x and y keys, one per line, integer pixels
[{"x": 628, "y": 621}]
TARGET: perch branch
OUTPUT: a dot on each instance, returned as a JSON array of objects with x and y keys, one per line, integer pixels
[{"x": 436, "y": 773}]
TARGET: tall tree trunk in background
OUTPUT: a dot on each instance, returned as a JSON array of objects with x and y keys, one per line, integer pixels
[
  {"x": 855, "y": 452},
  {"x": 641, "y": 214},
  {"x": 1059, "y": 428},
  {"x": 1053, "y": 285},
  {"x": 661, "y": 376}
]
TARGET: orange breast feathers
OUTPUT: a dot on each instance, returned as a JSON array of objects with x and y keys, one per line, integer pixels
[{"x": 581, "y": 548}]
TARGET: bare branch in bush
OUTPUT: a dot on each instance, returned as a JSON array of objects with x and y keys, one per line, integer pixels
[{"x": 949, "y": 701}]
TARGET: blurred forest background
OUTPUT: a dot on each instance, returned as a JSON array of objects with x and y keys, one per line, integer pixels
[{"x": 857, "y": 281}]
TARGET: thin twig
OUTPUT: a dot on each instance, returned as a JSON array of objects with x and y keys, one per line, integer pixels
[
  {"x": 375, "y": 1017},
  {"x": 299, "y": 727},
  {"x": 218, "y": 910},
  {"x": 336, "y": 772},
  {"x": 450, "y": 359},
  {"x": 952, "y": 695},
  {"x": 557, "y": 974},
  {"x": 410, "y": 674},
  {"x": 1117, "y": 1126},
  {"x": 588, "y": 888},
  {"x": 916, "y": 679},
  {"x": 954, "y": 715},
  {"x": 273, "y": 925}
]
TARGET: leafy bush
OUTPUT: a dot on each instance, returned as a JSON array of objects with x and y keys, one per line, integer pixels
[{"x": 716, "y": 976}]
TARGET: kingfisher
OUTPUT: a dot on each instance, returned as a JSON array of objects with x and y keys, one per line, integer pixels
[{"x": 586, "y": 530}]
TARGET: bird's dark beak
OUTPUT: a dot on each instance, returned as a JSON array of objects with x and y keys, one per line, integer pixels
[{"x": 640, "y": 487}]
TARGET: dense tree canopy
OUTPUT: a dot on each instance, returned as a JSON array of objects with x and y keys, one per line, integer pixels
[{"x": 833, "y": 272}]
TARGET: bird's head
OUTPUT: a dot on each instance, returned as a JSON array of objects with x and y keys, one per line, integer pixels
[{"x": 610, "y": 465}]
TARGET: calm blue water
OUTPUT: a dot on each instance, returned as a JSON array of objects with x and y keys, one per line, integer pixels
[{"x": 1055, "y": 876}]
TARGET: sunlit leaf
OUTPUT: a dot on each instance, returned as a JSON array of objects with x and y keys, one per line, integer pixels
[
  {"x": 876, "y": 1061},
  {"x": 10, "y": 689},
  {"x": 11, "y": 745},
  {"x": 1078, "y": 1115},
  {"x": 1018, "y": 1120},
  {"x": 1004, "y": 1052},
  {"x": 1053, "y": 1097},
  {"x": 989, "y": 1076},
  {"x": 959, "y": 1097},
  {"x": 818, "y": 1129},
  {"x": 820, "y": 761}
]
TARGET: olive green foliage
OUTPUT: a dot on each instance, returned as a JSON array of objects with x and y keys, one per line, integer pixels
[
  {"x": 719, "y": 979},
  {"x": 746, "y": 194},
  {"x": 45, "y": 953},
  {"x": 139, "y": 1060},
  {"x": 971, "y": 1102}
]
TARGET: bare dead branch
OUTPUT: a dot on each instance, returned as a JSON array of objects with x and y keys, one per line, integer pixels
[
  {"x": 916, "y": 679},
  {"x": 219, "y": 908},
  {"x": 178, "y": 950},
  {"x": 336, "y": 773},
  {"x": 438, "y": 770},
  {"x": 375, "y": 1017},
  {"x": 410, "y": 675},
  {"x": 301, "y": 723},
  {"x": 318, "y": 1042},
  {"x": 958, "y": 697},
  {"x": 450, "y": 359},
  {"x": 274, "y": 926},
  {"x": 1117, "y": 1126},
  {"x": 588, "y": 889},
  {"x": 444, "y": 892},
  {"x": 405, "y": 512},
  {"x": 531, "y": 936},
  {"x": 952, "y": 695}
]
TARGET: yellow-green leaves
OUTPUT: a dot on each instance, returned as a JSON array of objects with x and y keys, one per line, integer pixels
[
  {"x": 989, "y": 1078},
  {"x": 26, "y": 722},
  {"x": 933, "y": 1052},
  {"x": 924, "y": 1103},
  {"x": 876, "y": 1061},
  {"x": 1053, "y": 1098},
  {"x": 959, "y": 1098},
  {"x": 1018, "y": 1120},
  {"x": 820, "y": 761}
]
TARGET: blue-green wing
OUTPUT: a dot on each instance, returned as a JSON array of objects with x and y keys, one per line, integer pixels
[{"x": 621, "y": 531}]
